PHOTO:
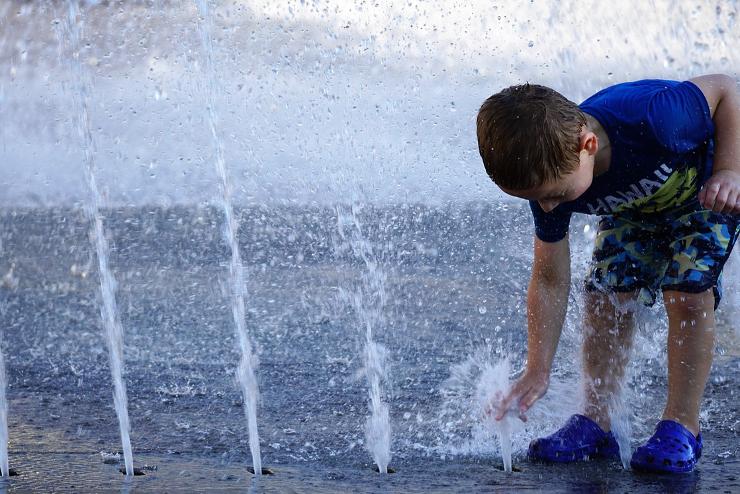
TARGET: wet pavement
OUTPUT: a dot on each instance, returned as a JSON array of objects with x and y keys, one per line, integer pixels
[{"x": 456, "y": 279}]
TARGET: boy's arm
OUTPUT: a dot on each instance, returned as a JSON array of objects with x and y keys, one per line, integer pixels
[
  {"x": 547, "y": 301},
  {"x": 721, "y": 193}
]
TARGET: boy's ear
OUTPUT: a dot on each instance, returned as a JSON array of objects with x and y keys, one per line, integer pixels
[{"x": 589, "y": 142}]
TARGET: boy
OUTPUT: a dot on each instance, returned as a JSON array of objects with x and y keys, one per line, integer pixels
[{"x": 659, "y": 161}]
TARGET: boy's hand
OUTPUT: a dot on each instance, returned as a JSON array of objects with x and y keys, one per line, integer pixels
[
  {"x": 525, "y": 391},
  {"x": 721, "y": 193}
]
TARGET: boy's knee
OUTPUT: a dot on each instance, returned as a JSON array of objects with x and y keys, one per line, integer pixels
[
  {"x": 695, "y": 304},
  {"x": 606, "y": 303}
]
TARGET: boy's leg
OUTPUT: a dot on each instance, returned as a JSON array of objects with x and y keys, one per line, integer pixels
[
  {"x": 607, "y": 339},
  {"x": 625, "y": 267},
  {"x": 691, "y": 292},
  {"x": 608, "y": 331},
  {"x": 690, "y": 352}
]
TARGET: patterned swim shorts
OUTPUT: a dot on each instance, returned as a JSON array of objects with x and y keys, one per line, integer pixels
[{"x": 684, "y": 252}]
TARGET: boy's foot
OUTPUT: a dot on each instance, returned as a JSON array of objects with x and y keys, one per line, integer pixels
[
  {"x": 672, "y": 449},
  {"x": 579, "y": 439}
]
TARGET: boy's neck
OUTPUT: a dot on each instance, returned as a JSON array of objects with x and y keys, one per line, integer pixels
[{"x": 604, "y": 153}]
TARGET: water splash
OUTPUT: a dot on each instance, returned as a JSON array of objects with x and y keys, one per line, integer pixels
[
  {"x": 368, "y": 300},
  {"x": 377, "y": 427},
  {"x": 494, "y": 385},
  {"x": 303, "y": 71},
  {"x": 4, "y": 470},
  {"x": 467, "y": 428},
  {"x": 621, "y": 426},
  {"x": 72, "y": 32},
  {"x": 248, "y": 362}
]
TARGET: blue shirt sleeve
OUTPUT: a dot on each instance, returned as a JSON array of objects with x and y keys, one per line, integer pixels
[
  {"x": 679, "y": 117},
  {"x": 552, "y": 226}
]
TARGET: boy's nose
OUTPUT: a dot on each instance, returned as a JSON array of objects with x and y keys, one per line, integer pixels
[{"x": 548, "y": 206}]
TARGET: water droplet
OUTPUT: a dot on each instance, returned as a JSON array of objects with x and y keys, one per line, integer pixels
[{"x": 482, "y": 309}]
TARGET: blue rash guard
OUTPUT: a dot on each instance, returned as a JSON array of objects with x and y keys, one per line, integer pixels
[{"x": 661, "y": 137}]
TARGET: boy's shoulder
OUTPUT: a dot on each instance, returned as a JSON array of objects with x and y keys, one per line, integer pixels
[
  {"x": 633, "y": 95},
  {"x": 673, "y": 114}
]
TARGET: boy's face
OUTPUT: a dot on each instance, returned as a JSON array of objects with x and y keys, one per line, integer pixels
[{"x": 568, "y": 187}]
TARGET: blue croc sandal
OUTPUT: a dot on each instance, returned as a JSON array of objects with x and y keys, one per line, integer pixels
[
  {"x": 672, "y": 449},
  {"x": 579, "y": 439}
]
